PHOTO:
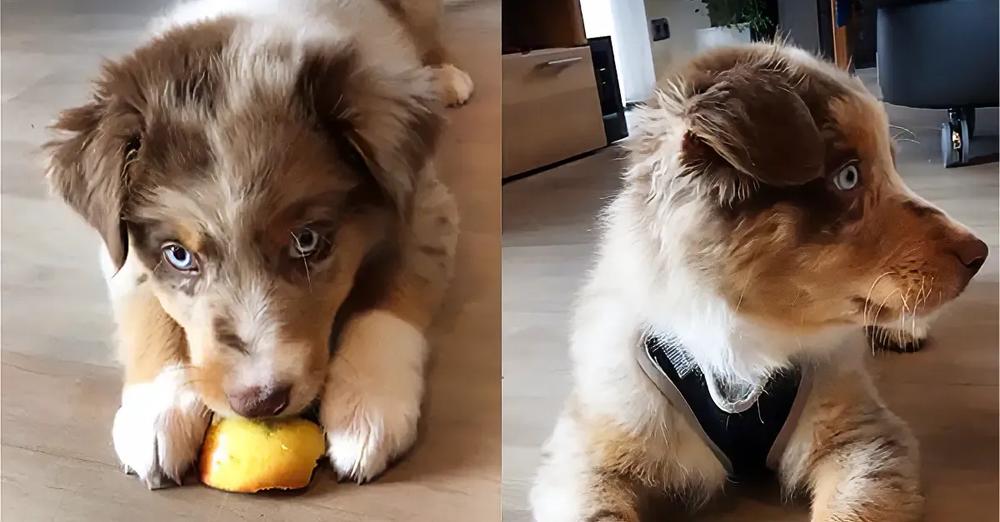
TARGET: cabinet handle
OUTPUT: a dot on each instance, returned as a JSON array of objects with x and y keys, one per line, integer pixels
[{"x": 563, "y": 61}]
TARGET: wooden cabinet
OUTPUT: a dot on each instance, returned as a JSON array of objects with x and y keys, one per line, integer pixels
[
  {"x": 541, "y": 24},
  {"x": 551, "y": 109}
]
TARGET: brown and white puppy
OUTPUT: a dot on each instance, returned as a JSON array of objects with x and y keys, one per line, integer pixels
[
  {"x": 762, "y": 221},
  {"x": 251, "y": 168}
]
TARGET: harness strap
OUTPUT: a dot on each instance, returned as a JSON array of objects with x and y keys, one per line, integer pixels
[{"x": 747, "y": 442}]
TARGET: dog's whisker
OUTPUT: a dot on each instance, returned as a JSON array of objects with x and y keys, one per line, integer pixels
[
  {"x": 904, "y": 129},
  {"x": 904, "y": 298},
  {"x": 744, "y": 290},
  {"x": 878, "y": 311},
  {"x": 867, "y": 308},
  {"x": 920, "y": 300},
  {"x": 900, "y": 137},
  {"x": 305, "y": 262}
]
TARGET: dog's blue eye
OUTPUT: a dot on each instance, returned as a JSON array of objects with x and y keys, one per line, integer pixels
[
  {"x": 304, "y": 244},
  {"x": 847, "y": 178},
  {"x": 179, "y": 257}
]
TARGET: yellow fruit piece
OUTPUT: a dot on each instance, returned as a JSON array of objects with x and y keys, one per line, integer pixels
[{"x": 247, "y": 456}]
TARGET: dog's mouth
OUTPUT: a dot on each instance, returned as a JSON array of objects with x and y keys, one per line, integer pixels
[
  {"x": 293, "y": 410},
  {"x": 295, "y": 402}
]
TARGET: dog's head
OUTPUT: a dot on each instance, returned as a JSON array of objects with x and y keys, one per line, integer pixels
[
  {"x": 249, "y": 179},
  {"x": 803, "y": 221}
]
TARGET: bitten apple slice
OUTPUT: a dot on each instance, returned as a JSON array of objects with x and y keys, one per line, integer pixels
[{"x": 247, "y": 456}]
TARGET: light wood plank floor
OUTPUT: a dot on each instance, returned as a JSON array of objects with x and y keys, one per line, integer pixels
[
  {"x": 60, "y": 384},
  {"x": 947, "y": 393}
]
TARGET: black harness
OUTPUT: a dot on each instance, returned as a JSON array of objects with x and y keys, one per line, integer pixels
[{"x": 748, "y": 442}]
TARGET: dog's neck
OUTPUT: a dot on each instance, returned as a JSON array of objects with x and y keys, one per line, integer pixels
[
  {"x": 730, "y": 347},
  {"x": 675, "y": 299}
]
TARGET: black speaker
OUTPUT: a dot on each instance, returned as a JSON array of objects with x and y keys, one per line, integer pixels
[{"x": 608, "y": 90}]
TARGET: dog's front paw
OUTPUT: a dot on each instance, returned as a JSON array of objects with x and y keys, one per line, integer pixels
[
  {"x": 366, "y": 431},
  {"x": 159, "y": 428},
  {"x": 371, "y": 403},
  {"x": 455, "y": 84}
]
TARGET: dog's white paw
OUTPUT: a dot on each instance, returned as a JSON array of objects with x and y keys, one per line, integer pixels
[
  {"x": 455, "y": 84},
  {"x": 159, "y": 428},
  {"x": 371, "y": 403},
  {"x": 365, "y": 432}
]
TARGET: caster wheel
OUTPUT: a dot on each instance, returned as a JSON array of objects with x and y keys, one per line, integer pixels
[{"x": 955, "y": 141}]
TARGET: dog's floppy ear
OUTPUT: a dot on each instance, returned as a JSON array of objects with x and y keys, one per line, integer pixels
[
  {"x": 87, "y": 166},
  {"x": 391, "y": 120},
  {"x": 752, "y": 119}
]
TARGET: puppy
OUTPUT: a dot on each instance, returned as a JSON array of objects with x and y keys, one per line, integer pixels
[
  {"x": 761, "y": 222},
  {"x": 251, "y": 168}
]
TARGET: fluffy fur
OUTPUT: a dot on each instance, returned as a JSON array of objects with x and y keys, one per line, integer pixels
[
  {"x": 235, "y": 131},
  {"x": 741, "y": 239}
]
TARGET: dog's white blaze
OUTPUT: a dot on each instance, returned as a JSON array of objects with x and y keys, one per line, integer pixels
[
  {"x": 255, "y": 323},
  {"x": 256, "y": 69}
]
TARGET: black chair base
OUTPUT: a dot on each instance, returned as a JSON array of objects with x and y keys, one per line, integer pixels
[
  {"x": 959, "y": 148},
  {"x": 956, "y": 137}
]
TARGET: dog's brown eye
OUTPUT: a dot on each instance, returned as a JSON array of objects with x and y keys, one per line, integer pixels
[
  {"x": 847, "y": 178},
  {"x": 305, "y": 243},
  {"x": 179, "y": 257}
]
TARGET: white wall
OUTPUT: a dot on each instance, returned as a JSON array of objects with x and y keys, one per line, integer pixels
[
  {"x": 596, "y": 17},
  {"x": 684, "y": 22},
  {"x": 626, "y": 23},
  {"x": 633, "y": 54}
]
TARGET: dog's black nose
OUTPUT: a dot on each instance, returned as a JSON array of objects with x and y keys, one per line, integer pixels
[
  {"x": 972, "y": 253},
  {"x": 256, "y": 401}
]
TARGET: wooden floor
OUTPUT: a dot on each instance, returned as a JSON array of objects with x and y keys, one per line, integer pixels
[
  {"x": 60, "y": 384},
  {"x": 947, "y": 393}
]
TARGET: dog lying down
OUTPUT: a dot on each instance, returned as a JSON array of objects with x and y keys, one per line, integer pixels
[
  {"x": 762, "y": 221},
  {"x": 251, "y": 168}
]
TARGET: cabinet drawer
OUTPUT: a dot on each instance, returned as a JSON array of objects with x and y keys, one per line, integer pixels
[{"x": 551, "y": 110}]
